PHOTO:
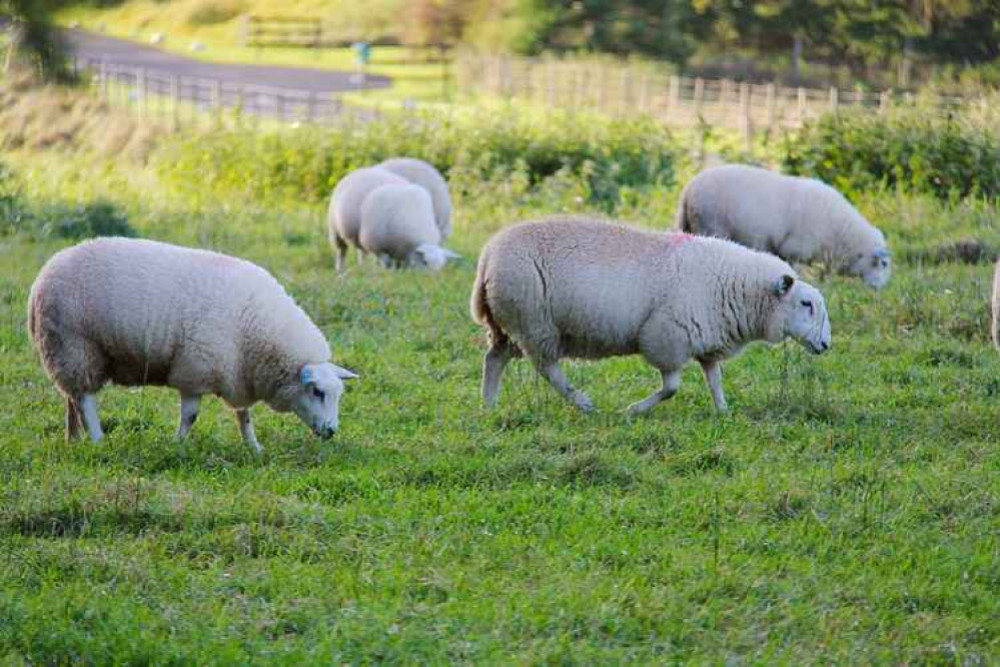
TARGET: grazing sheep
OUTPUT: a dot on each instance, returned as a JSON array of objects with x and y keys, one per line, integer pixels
[
  {"x": 583, "y": 288},
  {"x": 996, "y": 307},
  {"x": 137, "y": 312},
  {"x": 397, "y": 225},
  {"x": 344, "y": 216},
  {"x": 426, "y": 176},
  {"x": 798, "y": 219}
]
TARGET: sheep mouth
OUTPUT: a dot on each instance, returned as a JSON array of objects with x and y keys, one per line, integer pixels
[{"x": 818, "y": 348}]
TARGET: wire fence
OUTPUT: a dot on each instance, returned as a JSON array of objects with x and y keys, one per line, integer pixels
[
  {"x": 186, "y": 100},
  {"x": 625, "y": 89}
]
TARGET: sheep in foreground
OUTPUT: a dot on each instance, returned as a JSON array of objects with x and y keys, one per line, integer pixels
[
  {"x": 397, "y": 225},
  {"x": 426, "y": 176},
  {"x": 137, "y": 312},
  {"x": 797, "y": 219},
  {"x": 583, "y": 288},
  {"x": 344, "y": 216},
  {"x": 996, "y": 307}
]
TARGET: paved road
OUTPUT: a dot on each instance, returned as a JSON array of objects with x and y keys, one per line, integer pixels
[{"x": 90, "y": 47}]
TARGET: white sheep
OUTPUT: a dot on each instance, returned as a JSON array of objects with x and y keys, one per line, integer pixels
[
  {"x": 996, "y": 307},
  {"x": 136, "y": 312},
  {"x": 397, "y": 225},
  {"x": 426, "y": 176},
  {"x": 576, "y": 287},
  {"x": 798, "y": 219},
  {"x": 344, "y": 215}
]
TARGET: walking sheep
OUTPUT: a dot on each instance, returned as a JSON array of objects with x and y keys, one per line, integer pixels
[
  {"x": 568, "y": 287},
  {"x": 798, "y": 219},
  {"x": 397, "y": 225},
  {"x": 344, "y": 216},
  {"x": 137, "y": 312},
  {"x": 426, "y": 176}
]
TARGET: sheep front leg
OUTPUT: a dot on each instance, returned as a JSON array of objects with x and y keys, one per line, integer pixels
[
  {"x": 671, "y": 383},
  {"x": 554, "y": 375},
  {"x": 189, "y": 413},
  {"x": 87, "y": 406},
  {"x": 73, "y": 420},
  {"x": 246, "y": 429},
  {"x": 494, "y": 362},
  {"x": 713, "y": 375}
]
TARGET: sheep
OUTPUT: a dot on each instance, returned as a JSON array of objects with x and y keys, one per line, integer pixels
[
  {"x": 996, "y": 307},
  {"x": 426, "y": 176},
  {"x": 577, "y": 287},
  {"x": 798, "y": 219},
  {"x": 397, "y": 225},
  {"x": 344, "y": 215},
  {"x": 137, "y": 312}
]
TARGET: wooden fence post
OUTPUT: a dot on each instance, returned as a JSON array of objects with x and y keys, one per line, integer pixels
[
  {"x": 833, "y": 99},
  {"x": 884, "y": 99},
  {"x": 746, "y": 124},
  {"x": 674, "y": 100},
  {"x": 770, "y": 107},
  {"x": 105, "y": 92},
  {"x": 801, "y": 105},
  {"x": 699, "y": 94}
]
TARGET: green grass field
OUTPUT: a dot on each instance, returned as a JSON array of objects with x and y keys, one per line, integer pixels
[{"x": 846, "y": 510}]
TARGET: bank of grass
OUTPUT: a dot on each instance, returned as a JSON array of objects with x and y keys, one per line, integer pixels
[{"x": 846, "y": 510}]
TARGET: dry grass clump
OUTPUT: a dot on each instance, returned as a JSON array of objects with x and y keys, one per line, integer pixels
[{"x": 36, "y": 116}]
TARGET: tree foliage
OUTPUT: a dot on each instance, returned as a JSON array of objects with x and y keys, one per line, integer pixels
[{"x": 33, "y": 36}]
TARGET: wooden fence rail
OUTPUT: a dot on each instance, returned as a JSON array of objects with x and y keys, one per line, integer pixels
[{"x": 676, "y": 100}]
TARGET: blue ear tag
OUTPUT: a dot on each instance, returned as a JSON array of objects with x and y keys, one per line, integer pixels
[{"x": 305, "y": 375}]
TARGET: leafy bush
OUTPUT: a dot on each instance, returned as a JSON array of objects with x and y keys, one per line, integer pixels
[
  {"x": 99, "y": 218},
  {"x": 308, "y": 162},
  {"x": 912, "y": 149}
]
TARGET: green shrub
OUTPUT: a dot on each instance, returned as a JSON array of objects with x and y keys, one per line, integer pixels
[
  {"x": 916, "y": 149},
  {"x": 17, "y": 216},
  {"x": 308, "y": 162},
  {"x": 100, "y": 218}
]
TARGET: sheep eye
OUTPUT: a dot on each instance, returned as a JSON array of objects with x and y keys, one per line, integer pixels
[
  {"x": 319, "y": 393},
  {"x": 809, "y": 305}
]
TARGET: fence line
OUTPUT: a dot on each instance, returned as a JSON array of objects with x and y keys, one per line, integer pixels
[
  {"x": 675, "y": 100},
  {"x": 191, "y": 100}
]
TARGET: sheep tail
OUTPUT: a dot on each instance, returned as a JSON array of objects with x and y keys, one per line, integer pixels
[
  {"x": 480, "y": 307},
  {"x": 685, "y": 219}
]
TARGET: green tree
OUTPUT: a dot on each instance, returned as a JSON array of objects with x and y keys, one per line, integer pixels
[{"x": 33, "y": 35}]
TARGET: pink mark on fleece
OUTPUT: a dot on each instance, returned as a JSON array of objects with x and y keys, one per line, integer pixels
[{"x": 679, "y": 239}]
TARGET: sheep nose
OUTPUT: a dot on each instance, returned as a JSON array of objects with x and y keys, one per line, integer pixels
[
  {"x": 327, "y": 432},
  {"x": 824, "y": 345}
]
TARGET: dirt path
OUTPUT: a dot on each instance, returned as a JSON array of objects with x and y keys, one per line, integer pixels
[{"x": 88, "y": 47}]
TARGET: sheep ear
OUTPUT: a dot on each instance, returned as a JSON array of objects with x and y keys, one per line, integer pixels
[
  {"x": 450, "y": 254},
  {"x": 306, "y": 375},
  {"x": 343, "y": 373},
  {"x": 882, "y": 253},
  {"x": 783, "y": 285}
]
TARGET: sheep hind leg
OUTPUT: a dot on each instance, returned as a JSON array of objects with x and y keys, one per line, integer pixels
[
  {"x": 671, "y": 383},
  {"x": 341, "y": 252},
  {"x": 553, "y": 373},
  {"x": 189, "y": 414},
  {"x": 87, "y": 405},
  {"x": 74, "y": 422},
  {"x": 494, "y": 363},
  {"x": 713, "y": 375}
]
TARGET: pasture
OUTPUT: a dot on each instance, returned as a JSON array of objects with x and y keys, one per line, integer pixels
[{"x": 846, "y": 509}]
